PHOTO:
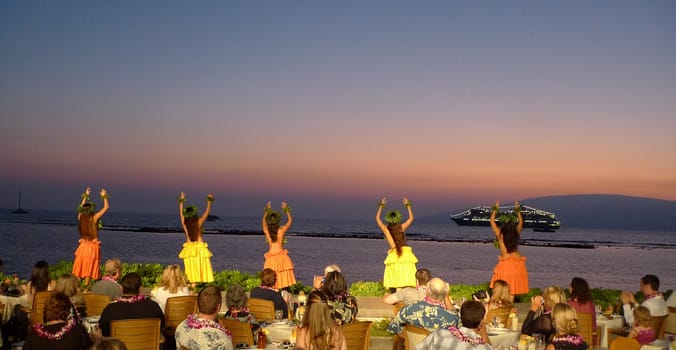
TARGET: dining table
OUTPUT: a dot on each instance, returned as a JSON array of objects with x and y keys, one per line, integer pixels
[
  {"x": 606, "y": 323},
  {"x": 500, "y": 336},
  {"x": 658, "y": 344}
]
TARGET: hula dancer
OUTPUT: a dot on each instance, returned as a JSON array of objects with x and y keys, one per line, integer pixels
[
  {"x": 195, "y": 253},
  {"x": 400, "y": 263},
  {"x": 88, "y": 253},
  {"x": 511, "y": 266},
  {"x": 277, "y": 258}
]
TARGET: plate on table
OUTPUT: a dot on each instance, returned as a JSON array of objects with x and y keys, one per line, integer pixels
[
  {"x": 497, "y": 330},
  {"x": 93, "y": 319}
]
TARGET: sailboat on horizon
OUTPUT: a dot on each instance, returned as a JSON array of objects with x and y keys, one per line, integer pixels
[{"x": 19, "y": 210}]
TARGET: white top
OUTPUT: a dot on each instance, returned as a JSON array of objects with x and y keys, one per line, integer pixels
[
  {"x": 160, "y": 295},
  {"x": 656, "y": 305}
]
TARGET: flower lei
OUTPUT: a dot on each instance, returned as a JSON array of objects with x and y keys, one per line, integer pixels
[
  {"x": 465, "y": 339},
  {"x": 574, "y": 339},
  {"x": 434, "y": 302},
  {"x": 132, "y": 299},
  {"x": 43, "y": 333},
  {"x": 268, "y": 288},
  {"x": 108, "y": 278},
  {"x": 196, "y": 323},
  {"x": 393, "y": 217},
  {"x": 189, "y": 211}
]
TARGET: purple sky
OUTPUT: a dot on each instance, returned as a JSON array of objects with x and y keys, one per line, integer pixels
[{"x": 332, "y": 105}]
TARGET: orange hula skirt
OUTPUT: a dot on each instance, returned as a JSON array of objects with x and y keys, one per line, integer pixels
[
  {"x": 87, "y": 258},
  {"x": 512, "y": 269},
  {"x": 283, "y": 266}
]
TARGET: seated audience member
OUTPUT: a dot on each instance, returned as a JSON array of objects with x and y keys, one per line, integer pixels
[
  {"x": 69, "y": 285},
  {"x": 173, "y": 284},
  {"x": 318, "y": 281},
  {"x": 501, "y": 297},
  {"x": 408, "y": 295},
  {"x": 202, "y": 331},
  {"x": 235, "y": 298},
  {"x": 130, "y": 305},
  {"x": 267, "y": 291},
  {"x": 567, "y": 335},
  {"x": 343, "y": 306},
  {"x": 543, "y": 305},
  {"x": 39, "y": 281},
  {"x": 642, "y": 330},
  {"x": 61, "y": 331},
  {"x": 654, "y": 300},
  {"x": 108, "y": 284},
  {"x": 472, "y": 335},
  {"x": 110, "y": 344},
  {"x": 429, "y": 313},
  {"x": 580, "y": 300},
  {"x": 319, "y": 330}
]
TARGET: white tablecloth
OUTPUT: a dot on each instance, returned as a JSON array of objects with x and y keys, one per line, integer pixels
[
  {"x": 659, "y": 344},
  {"x": 607, "y": 324},
  {"x": 10, "y": 302},
  {"x": 508, "y": 338}
]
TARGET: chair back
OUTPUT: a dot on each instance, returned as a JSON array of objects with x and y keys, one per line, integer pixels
[
  {"x": 263, "y": 309},
  {"x": 584, "y": 320},
  {"x": 95, "y": 303},
  {"x": 38, "y": 310},
  {"x": 396, "y": 307},
  {"x": 357, "y": 334},
  {"x": 624, "y": 343},
  {"x": 241, "y": 331},
  {"x": 658, "y": 325},
  {"x": 414, "y": 335},
  {"x": 501, "y": 313},
  {"x": 177, "y": 309},
  {"x": 137, "y": 334}
]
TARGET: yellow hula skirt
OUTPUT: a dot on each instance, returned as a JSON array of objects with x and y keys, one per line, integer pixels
[
  {"x": 512, "y": 269},
  {"x": 400, "y": 270},
  {"x": 87, "y": 258},
  {"x": 197, "y": 261},
  {"x": 281, "y": 263}
]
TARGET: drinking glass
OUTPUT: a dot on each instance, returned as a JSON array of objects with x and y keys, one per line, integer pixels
[{"x": 278, "y": 314}]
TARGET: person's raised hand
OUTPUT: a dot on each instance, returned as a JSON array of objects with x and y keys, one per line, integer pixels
[{"x": 103, "y": 192}]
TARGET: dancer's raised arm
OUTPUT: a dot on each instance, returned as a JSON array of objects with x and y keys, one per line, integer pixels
[
  {"x": 85, "y": 196},
  {"x": 381, "y": 225},
  {"x": 494, "y": 211},
  {"x": 289, "y": 220},
  {"x": 517, "y": 209},
  {"x": 408, "y": 206},
  {"x": 210, "y": 201},
  {"x": 181, "y": 200},
  {"x": 104, "y": 198},
  {"x": 264, "y": 222}
]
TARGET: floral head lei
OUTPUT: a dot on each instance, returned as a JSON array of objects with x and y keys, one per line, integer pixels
[
  {"x": 393, "y": 217},
  {"x": 511, "y": 217},
  {"x": 88, "y": 208},
  {"x": 189, "y": 211},
  {"x": 272, "y": 216}
]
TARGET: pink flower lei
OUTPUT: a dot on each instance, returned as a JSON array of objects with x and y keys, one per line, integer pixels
[
  {"x": 465, "y": 339},
  {"x": 434, "y": 302},
  {"x": 268, "y": 288},
  {"x": 43, "y": 333},
  {"x": 108, "y": 278},
  {"x": 196, "y": 323},
  {"x": 132, "y": 299},
  {"x": 574, "y": 339}
]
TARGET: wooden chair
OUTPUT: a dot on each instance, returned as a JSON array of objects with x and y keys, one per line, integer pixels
[
  {"x": 658, "y": 324},
  {"x": 414, "y": 335},
  {"x": 95, "y": 303},
  {"x": 37, "y": 312},
  {"x": 241, "y": 331},
  {"x": 624, "y": 343},
  {"x": 397, "y": 340},
  {"x": 586, "y": 329},
  {"x": 502, "y": 314},
  {"x": 263, "y": 309},
  {"x": 177, "y": 310},
  {"x": 137, "y": 334},
  {"x": 357, "y": 335}
]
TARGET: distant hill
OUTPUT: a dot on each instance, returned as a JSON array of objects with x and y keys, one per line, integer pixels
[{"x": 600, "y": 211}]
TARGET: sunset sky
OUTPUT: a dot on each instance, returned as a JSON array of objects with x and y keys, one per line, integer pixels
[{"x": 332, "y": 105}]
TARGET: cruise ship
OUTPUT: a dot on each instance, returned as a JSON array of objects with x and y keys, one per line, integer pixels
[{"x": 537, "y": 219}]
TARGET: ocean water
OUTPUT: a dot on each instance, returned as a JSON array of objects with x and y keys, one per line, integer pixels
[{"x": 606, "y": 258}]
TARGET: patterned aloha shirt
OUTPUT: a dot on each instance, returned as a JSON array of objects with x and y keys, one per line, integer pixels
[
  {"x": 206, "y": 338},
  {"x": 423, "y": 314}
]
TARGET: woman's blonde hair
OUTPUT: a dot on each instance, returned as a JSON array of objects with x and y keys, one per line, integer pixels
[
  {"x": 320, "y": 326},
  {"x": 69, "y": 284},
  {"x": 642, "y": 316},
  {"x": 565, "y": 319},
  {"x": 552, "y": 296},
  {"x": 173, "y": 279},
  {"x": 501, "y": 297}
]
